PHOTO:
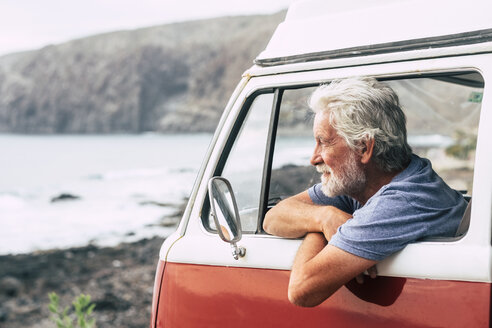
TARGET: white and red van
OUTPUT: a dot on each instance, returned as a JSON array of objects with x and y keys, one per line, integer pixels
[{"x": 437, "y": 56}]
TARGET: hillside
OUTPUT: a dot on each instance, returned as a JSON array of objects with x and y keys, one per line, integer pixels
[{"x": 169, "y": 78}]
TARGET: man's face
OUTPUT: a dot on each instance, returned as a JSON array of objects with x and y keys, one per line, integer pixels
[{"x": 342, "y": 171}]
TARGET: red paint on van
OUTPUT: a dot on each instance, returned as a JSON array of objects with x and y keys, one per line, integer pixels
[
  {"x": 208, "y": 296},
  {"x": 157, "y": 291}
]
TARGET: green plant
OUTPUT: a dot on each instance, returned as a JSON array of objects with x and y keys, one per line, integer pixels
[
  {"x": 83, "y": 310},
  {"x": 464, "y": 144}
]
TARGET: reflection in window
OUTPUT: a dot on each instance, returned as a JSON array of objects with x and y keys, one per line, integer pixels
[
  {"x": 442, "y": 123},
  {"x": 291, "y": 170},
  {"x": 244, "y": 166}
]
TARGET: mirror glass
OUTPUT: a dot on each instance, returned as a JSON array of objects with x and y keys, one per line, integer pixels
[{"x": 224, "y": 209}]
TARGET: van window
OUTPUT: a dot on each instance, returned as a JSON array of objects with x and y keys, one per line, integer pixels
[
  {"x": 244, "y": 165},
  {"x": 442, "y": 123}
]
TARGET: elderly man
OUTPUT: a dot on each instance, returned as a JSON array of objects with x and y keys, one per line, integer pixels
[{"x": 375, "y": 196}]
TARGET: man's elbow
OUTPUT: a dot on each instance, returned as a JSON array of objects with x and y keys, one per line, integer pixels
[
  {"x": 301, "y": 294},
  {"x": 269, "y": 223},
  {"x": 300, "y": 297}
]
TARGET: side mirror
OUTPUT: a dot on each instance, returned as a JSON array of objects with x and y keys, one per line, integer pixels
[{"x": 225, "y": 213}]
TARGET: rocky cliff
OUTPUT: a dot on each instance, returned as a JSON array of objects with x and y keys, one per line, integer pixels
[{"x": 170, "y": 78}]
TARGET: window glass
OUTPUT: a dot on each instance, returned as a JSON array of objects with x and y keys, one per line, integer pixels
[
  {"x": 244, "y": 166},
  {"x": 291, "y": 170},
  {"x": 442, "y": 123}
]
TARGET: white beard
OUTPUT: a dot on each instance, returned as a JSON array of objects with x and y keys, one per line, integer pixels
[{"x": 351, "y": 181}]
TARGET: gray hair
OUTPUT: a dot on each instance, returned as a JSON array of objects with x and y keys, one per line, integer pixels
[{"x": 362, "y": 108}]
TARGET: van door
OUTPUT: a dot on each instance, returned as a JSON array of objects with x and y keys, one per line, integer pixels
[{"x": 263, "y": 149}]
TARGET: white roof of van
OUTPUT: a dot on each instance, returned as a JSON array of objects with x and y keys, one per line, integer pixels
[{"x": 324, "y": 26}]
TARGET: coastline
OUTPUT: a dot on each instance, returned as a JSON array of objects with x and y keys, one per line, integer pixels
[{"x": 119, "y": 279}]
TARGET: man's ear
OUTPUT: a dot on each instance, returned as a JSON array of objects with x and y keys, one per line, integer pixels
[{"x": 366, "y": 150}]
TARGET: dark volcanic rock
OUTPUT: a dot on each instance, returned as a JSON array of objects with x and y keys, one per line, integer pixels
[
  {"x": 292, "y": 179},
  {"x": 10, "y": 286},
  {"x": 111, "y": 302},
  {"x": 64, "y": 197}
]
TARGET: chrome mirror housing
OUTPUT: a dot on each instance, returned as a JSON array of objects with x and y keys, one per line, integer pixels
[{"x": 225, "y": 213}]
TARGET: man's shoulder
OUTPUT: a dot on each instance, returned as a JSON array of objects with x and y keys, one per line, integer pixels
[
  {"x": 387, "y": 202},
  {"x": 344, "y": 203},
  {"x": 419, "y": 170},
  {"x": 421, "y": 186},
  {"x": 419, "y": 197}
]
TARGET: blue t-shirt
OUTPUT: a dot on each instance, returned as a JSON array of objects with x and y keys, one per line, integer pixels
[{"x": 416, "y": 204}]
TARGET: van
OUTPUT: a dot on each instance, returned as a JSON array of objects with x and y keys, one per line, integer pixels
[{"x": 221, "y": 269}]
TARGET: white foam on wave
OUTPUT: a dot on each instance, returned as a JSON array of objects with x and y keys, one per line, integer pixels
[
  {"x": 75, "y": 223},
  {"x": 134, "y": 174},
  {"x": 108, "y": 212},
  {"x": 11, "y": 202},
  {"x": 119, "y": 203}
]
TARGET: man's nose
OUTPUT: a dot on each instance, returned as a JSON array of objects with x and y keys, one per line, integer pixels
[{"x": 316, "y": 158}]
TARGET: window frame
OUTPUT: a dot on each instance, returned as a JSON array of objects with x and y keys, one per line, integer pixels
[{"x": 229, "y": 144}]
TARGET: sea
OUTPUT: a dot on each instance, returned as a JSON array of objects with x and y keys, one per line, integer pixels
[{"x": 123, "y": 186}]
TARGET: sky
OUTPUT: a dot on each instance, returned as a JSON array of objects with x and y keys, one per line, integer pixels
[{"x": 32, "y": 24}]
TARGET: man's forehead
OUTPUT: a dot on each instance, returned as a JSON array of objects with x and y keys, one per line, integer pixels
[{"x": 322, "y": 125}]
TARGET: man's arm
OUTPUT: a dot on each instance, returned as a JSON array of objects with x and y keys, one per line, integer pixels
[
  {"x": 319, "y": 270},
  {"x": 297, "y": 215}
]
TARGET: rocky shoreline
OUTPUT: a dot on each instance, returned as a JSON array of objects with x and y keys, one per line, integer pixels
[{"x": 119, "y": 279}]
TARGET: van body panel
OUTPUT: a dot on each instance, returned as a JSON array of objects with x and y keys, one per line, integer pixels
[
  {"x": 316, "y": 26},
  {"x": 447, "y": 41},
  {"x": 157, "y": 291},
  {"x": 425, "y": 260},
  {"x": 211, "y": 296},
  {"x": 481, "y": 48}
]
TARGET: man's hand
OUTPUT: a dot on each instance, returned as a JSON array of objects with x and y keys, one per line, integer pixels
[
  {"x": 372, "y": 271},
  {"x": 332, "y": 220}
]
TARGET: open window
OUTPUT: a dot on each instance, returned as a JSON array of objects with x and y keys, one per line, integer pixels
[
  {"x": 442, "y": 113},
  {"x": 442, "y": 123}
]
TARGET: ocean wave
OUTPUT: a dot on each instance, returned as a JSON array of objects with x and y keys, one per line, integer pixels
[
  {"x": 11, "y": 202},
  {"x": 128, "y": 174}
]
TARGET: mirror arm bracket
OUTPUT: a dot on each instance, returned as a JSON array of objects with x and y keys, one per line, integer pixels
[{"x": 237, "y": 251}]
